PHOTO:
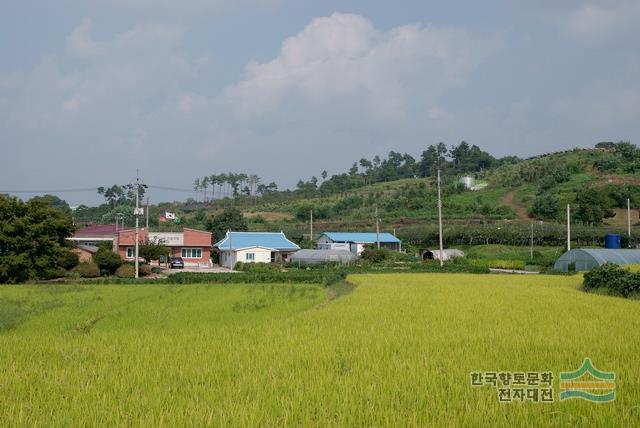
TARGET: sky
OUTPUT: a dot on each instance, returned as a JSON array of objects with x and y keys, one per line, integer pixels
[{"x": 93, "y": 90}]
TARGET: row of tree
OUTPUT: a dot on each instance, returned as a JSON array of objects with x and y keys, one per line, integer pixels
[{"x": 231, "y": 185}]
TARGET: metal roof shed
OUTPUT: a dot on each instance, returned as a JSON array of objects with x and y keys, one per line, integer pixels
[{"x": 589, "y": 258}]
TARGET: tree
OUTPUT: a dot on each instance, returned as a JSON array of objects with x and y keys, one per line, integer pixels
[
  {"x": 153, "y": 250},
  {"x": 32, "y": 240},
  {"x": 324, "y": 175},
  {"x": 546, "y": 207},
  {"x": 593, "y": 206},
  {"x": 53, "y": 201},
  {"x": 229, "y": 219},
  {"x": 107, "y": 261}
]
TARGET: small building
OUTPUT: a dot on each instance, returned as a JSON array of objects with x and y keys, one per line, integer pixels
[
  {"x": 94, "y": 234},
  {"x": 254, "y": 247},
  {"x": 194, "y": 246},
  {"x": 85, "y": 252},
  {"x": 583, "y": 259},
  {"x": 447, "y": 254},
  {"x": 356, "y": 241},
  {"x": 316, "y": 257}
]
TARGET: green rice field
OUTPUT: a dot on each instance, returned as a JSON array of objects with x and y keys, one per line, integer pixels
[{"x": 396, "y": 351}]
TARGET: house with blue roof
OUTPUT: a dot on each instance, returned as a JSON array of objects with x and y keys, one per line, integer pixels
[
  {"x": 254, "y": 247},
  {"x": 356, "y": 241}
]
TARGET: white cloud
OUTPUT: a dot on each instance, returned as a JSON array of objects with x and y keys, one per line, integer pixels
[
  {"x": 595, "y": 22},
  {"x": 342, "y": 58}
]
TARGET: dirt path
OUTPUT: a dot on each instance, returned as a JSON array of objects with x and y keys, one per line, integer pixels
[{"x": 521, "y": 212}]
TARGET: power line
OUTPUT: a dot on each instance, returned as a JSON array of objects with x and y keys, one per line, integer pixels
[{"x": 92, "y": 189}]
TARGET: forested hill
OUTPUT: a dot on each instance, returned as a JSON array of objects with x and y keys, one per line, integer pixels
[{"x": 596, "y": 181}]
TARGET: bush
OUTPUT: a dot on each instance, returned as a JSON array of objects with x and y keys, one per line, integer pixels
[
  {"x": 611, "y": 277},
  {"x": 145, "y": 270},
  {"x": 107, "y": 261},
  {"x": 87, "y": 270},
  {"x": 257, "y": 267},
  {"x": 67, "y": 260},
  {"x": 126, "y": 271}
]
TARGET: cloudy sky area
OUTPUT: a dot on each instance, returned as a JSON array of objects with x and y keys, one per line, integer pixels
[{"x": 91, "y": 90}]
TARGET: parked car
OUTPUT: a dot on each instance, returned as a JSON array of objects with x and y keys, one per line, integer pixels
[{"x": 176, "y": 263}]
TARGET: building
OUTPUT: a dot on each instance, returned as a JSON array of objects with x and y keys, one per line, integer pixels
[
  {"x": 194, "y": 246},
  {"x": 582, "y": 259},
  {"x": 85, "y": 252},
  {"x": 356, "y": 241},
  {"x": 316, "y": 257},
  {"x": 95, "y": 234},
  {"x": 254, "y": 247}
]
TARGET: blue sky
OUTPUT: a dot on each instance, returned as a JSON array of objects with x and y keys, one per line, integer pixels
[{"x": 91, "y": 90}]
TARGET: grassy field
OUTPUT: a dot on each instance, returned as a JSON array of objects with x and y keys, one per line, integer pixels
[{"x": 397, "y": 351}]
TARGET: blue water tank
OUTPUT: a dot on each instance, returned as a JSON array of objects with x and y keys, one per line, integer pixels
[{"x": 613, "y": 240}]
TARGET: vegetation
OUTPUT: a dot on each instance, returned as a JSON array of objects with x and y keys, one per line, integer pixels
[
  {"x": 107, "y": 261},
  {"x": 396, "y": 351},
  {"x": 32, "y": 240},
  {"x": 613, "y": 279},
  {"x": 153, "y": 250},
  {"x": 126, "y": 271},
  {"x": 229, "y": 219},
  {"x": 87, "y": 270}
]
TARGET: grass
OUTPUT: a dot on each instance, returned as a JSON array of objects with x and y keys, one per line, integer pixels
[{"x": 395, "y": 351}]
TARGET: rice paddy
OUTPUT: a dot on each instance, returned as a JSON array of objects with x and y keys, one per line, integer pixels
[{"x": 397, "y": 351}]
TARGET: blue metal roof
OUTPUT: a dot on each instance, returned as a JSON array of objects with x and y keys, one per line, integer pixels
[
  {"x": 361, "y": 237},
  {"x": 273, "y": 240}
]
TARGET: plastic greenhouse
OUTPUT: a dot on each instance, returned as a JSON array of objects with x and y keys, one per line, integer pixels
[
  {"x": 588, "y": 258},
  {"x": 314, "y": 257}
]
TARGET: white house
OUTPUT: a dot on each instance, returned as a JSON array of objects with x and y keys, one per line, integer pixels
[
  {"x": 254, "y": 247},
  {"x": 356, "y": 241}
]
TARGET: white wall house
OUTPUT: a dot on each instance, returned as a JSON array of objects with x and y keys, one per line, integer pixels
[
  {"x": 254, "y": 247},
  {"x": 356, "y": 241}
]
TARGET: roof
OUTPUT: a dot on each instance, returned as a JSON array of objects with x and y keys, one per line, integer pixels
[
  {"x": 239, "y": 240},
  {"x": 323, "y": 256},
  {"x": 96, "y": 230},
  {"x": 89, "y": 248},
  {"x": 361, "y": 237},
  {"x": 587, "y": 258}
]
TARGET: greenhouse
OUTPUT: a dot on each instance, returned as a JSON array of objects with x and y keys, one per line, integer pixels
[
  {"x": 314, "y": 257},
  {"x": 588, "y": 258}
]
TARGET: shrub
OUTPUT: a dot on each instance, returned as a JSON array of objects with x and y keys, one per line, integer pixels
[
  {"x": 145, "y": 270},
  {"x": 126, "y": 271},
  {"x": 257, "y": 267},
  {"x": 611, "y": 277},
  {"x": 375, "y": 255},
  {"x": 87, "y": 270},
  {"x": 67, "y": 260},
  {"x": 107, "y": 261}
]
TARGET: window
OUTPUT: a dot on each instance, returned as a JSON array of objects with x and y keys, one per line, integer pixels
[
  {"x": 192, "y": 253},
  {"x": 130, "y": 252},
  {"x": 250, "y": 257}
]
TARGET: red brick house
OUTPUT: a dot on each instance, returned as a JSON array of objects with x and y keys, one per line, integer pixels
[{"x": 194, "y": 246}]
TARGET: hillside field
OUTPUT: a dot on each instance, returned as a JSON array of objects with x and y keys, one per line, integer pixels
[{"x": 396, "y": 351}]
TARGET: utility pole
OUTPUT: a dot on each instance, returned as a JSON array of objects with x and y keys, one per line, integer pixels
[
  {"x": 568, "y": 227},
  {"x": 311, "y": 227},
  {"x": 629, "y": 221},
  {"x": 531, "y": 251},
  {"x": 440, "y": 218},
  {"x": 147, "y": 213},
  {"x": 230, "y": 250},
  {"x": 137, "y": 215},
  {"x": 377, "y": 229}
]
